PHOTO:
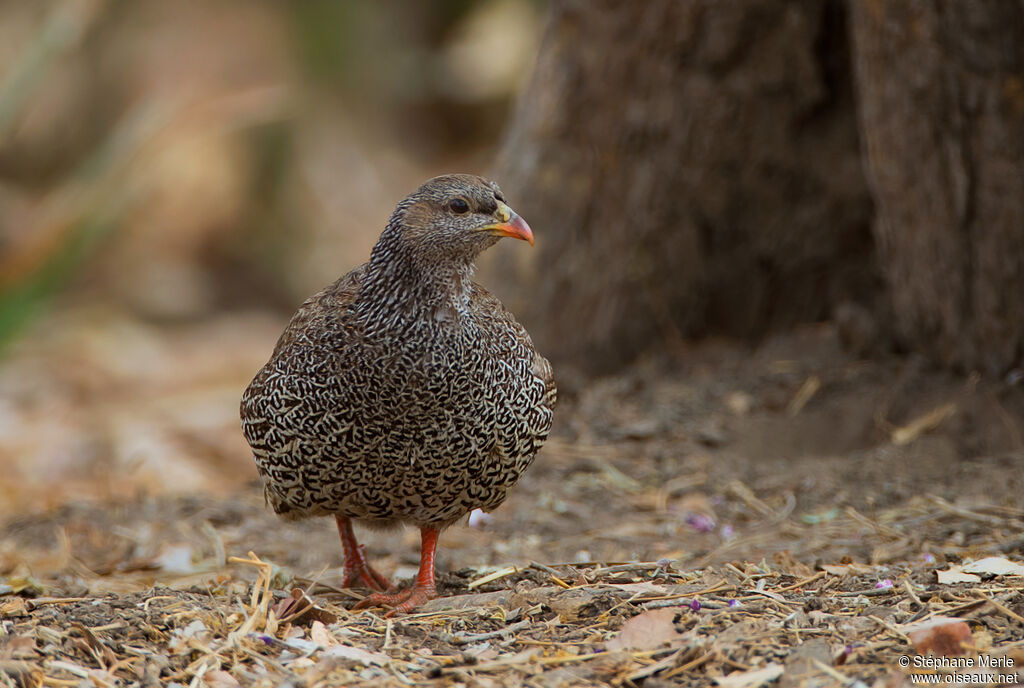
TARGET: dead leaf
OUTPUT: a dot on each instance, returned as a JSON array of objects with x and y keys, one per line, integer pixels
[
  {"x": 220, "y": 679},
  {"x": 955, "y": 574},
  {"x": 13, "y": 607},
  {"x": 752, "y": 678},
  {"x": 319, "y": 634},
  {"x": 646, "y": 631},
  {"x": 995, "y": 566},
  {"x": 299, "y": 609},
  {"x": 20, "y": 647},
  {"x": 941, "y": 635}
]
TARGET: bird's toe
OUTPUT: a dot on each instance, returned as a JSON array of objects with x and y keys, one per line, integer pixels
[{"x": 401, "y": 602}]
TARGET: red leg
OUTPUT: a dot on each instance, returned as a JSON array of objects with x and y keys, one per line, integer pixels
[
  {"x": 423, "y": 590},
  {"x": 357, "y": 569}
]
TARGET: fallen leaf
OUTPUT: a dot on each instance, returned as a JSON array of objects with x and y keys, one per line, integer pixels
[
  {"x": 955, "y": 574},
  {"x": 647, "y": 631},
  {"x": 20, "y": 647},
  {"x": 220, "y": 679},
  {"x": 13, "y": 607},
  {"x": 941, "y": 635},
  {"x": 319, "y": 634},
  {"x": 300, "y": 610},
  {"x": 25, "y": 584},
  {"x": 995, "y": 566},
  {"x": 752, "y": 678}
]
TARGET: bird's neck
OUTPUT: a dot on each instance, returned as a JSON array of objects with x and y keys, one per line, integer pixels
[{"x": 399, "y": 287}]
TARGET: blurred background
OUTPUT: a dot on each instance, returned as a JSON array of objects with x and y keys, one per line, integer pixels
[
  {"x": 779, "y": 243},
  {"x": 175, "y": 178}
]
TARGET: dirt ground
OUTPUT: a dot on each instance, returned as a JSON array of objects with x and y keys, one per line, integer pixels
[{"x": 722, "y": 515}]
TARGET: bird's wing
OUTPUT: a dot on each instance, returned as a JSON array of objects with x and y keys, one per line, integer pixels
[
  {"x": 542, "y": 369},
  {"x": 486, "y": 302},
  {"x": 309, "y": 322},
  {"x": 306, "y": 342}
]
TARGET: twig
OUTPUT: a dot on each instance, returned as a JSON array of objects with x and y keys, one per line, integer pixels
[
  {"x": 551, "y": 572},
  {"x": 476, "y": 637},
  {"x": 912, "y": 594},
  {"x": 699, "y": 661},
  {"x": 838, "y": 676},
  {"x": 888, "y": 626},
  {"x": 732, "y": 567},
  {"x": 965, "y": 513},
  {"x": 656, "y": 666},
  {"x": 871, "y": 523},
  {"x": 1005, "y": 610},
  {"x": 805, "y": 581},
  {"x": 803, "y": 395},
  {"x": 507, "y": 571}
]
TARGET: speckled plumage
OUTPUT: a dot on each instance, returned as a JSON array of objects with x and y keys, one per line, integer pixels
[{"x": 403, "y": 392}]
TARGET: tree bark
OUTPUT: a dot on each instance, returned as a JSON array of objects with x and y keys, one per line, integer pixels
[
  {"x": 689, "y": 168},
  {"x": 941, "y": 108}
]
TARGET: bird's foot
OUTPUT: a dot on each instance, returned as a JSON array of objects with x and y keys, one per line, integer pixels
[
  {"x": 403, "y": 601},
  {"x": 358, "y": 570}
]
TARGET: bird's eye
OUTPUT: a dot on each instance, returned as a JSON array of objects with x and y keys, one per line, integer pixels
[{"x": 458, "y": 205}]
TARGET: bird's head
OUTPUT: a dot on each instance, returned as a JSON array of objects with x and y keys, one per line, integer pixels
[{"x": 454, "y": 218}]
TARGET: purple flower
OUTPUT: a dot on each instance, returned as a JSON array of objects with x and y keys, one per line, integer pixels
[
  {"x": 884, "y": 584},
  {"x": 728, "y": 531},
  {"x": 695, "y": 605},
  {"x": 702, "y": 523},
  {"x": 929, "y": 558},
  {"x": 735, "y": 603}
]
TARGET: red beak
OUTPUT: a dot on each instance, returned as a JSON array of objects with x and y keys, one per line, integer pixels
[{"x": 515, "y": 228}]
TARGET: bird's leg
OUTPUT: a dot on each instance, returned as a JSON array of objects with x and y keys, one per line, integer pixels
[
  {"x": 421, "y": 591},
  {"x": 357, "y": 569}
]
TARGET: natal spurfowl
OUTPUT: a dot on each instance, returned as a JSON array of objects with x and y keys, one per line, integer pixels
[{"x": 404, "y": 392}]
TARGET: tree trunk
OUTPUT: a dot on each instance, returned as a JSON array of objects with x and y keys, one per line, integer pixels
[
  {"x": 689, "y": 168},
  {"x": 941, "y": 107}
]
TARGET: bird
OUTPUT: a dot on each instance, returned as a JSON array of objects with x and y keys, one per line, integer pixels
[{"x": 404, "y": 392}]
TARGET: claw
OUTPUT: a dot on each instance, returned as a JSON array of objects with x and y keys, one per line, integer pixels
[{"x": 401, "y": 602}]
